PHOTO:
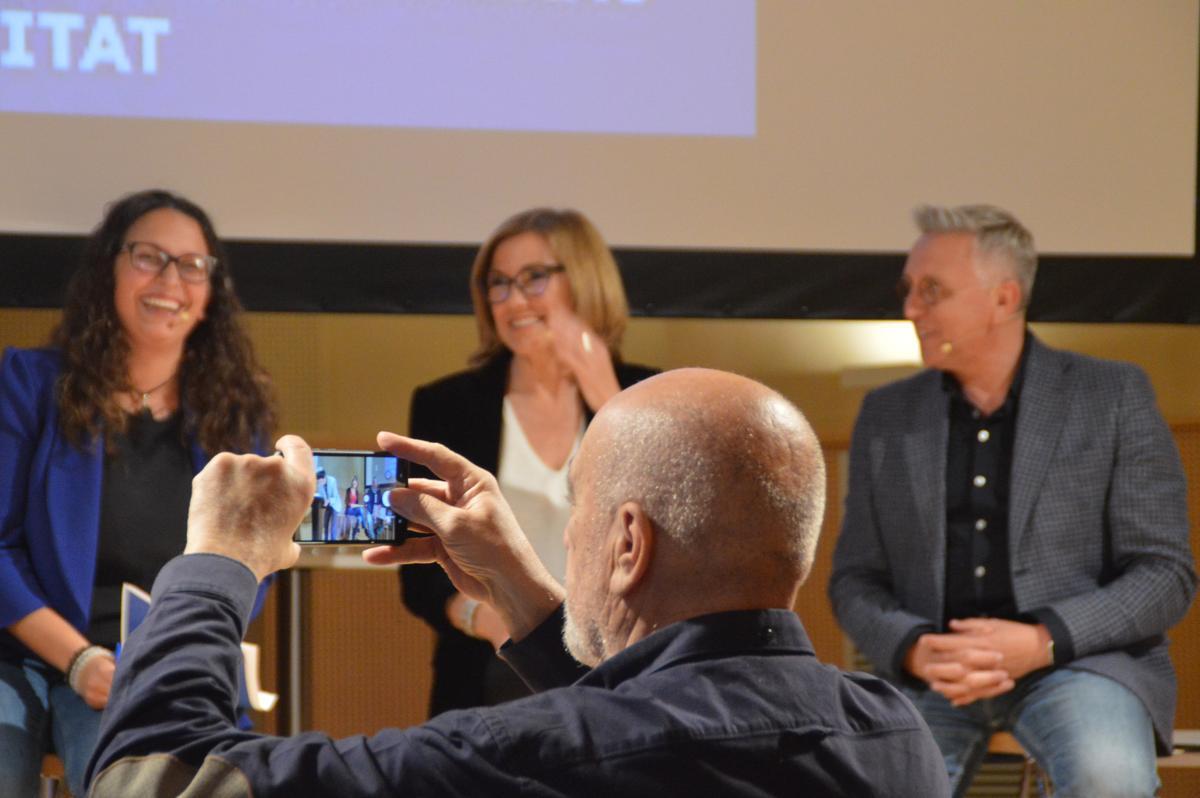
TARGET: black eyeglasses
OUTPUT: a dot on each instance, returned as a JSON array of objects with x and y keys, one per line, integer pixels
[
  {"x": 152, "y": 260},
  {"x": 530, "y": 281}
]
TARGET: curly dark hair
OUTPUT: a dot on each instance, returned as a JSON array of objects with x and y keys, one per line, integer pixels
[{"x": 225, "y": 393}]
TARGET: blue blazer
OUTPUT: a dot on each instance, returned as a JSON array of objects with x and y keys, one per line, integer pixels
[{"x": 49, "y": 498}]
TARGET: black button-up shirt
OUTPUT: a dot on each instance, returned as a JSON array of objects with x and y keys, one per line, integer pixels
[
  {"x": 979, "y": 458},
  {"x": 979, "y": 454}
]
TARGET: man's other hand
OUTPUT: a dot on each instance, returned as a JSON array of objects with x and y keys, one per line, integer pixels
[{"x": 476, "y": 538}]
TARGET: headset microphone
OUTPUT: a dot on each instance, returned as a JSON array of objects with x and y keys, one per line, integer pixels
[{"x": 947, "y": 347}]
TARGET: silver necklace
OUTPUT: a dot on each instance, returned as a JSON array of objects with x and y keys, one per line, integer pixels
[{"x": 146, "y": 394}]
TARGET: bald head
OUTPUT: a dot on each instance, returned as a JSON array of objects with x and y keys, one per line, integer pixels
[{"x": 728, "y": 470}]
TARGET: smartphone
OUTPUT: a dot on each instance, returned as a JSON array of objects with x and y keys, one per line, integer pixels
[{"x": 349, "y": 506}]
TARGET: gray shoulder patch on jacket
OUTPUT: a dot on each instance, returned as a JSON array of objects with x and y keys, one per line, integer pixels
[{"x": 165, "y": 775}]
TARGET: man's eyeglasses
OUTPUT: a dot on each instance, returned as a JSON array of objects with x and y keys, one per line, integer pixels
[
  {"x": 530, "y": 281},
  {"x": 929, "y": 291},
  {"x": 152, "y": 260}
]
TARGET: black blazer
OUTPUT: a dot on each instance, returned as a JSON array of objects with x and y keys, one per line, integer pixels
[{"x": 464, "y": 411}]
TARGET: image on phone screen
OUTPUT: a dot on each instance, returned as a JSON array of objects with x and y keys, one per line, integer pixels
[{"x": 348, "y": 506}]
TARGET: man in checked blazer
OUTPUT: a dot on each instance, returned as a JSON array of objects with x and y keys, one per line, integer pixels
[{"x": 1015, "y": 542}]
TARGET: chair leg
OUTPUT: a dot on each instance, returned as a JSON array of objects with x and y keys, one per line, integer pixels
[
  {"x": 52, "y": 787},
  {"x": 1034, "y": 783},
  {"x": 1026, "y": 790}
]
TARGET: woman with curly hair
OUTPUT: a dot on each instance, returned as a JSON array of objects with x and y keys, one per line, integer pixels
[{"x": 149, "y": 374}]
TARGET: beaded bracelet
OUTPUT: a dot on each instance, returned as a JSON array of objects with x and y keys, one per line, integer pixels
[{"x": 80, "y": 660}]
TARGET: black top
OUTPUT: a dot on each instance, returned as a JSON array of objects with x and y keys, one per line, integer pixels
[
  {"x": 979, "y": 454},
  {"x": 144, "y": 500}
]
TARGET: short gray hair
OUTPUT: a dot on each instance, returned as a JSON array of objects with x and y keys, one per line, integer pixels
[
  {"x": 712, "y": 489},
  {"x": 996, "y": 231}
]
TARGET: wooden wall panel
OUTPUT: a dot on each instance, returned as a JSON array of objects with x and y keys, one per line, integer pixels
[
  {"x": 1179, "y": 783},
  {"x": 811, "y": 605},
  {"x": 26, "y": 327},
  {"x": 366, "y": 659},
  {"x": 1185, "y": 638}
]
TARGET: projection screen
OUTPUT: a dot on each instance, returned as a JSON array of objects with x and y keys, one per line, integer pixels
[{"x": 731, "y": 125}]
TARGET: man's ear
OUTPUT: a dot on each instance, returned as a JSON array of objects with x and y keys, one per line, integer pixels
[
  {"x": 1008, "y": 299},
  {"x": 633, "y": 540}
]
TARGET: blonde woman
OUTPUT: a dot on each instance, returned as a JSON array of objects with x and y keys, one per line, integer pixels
[{"x": 550, "y": 310}]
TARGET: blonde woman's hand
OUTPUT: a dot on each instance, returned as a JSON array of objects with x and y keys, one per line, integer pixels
[{"x": 585, "y": 353}]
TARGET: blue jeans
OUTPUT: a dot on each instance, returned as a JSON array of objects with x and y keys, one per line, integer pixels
[
  {"x": 1091, "y": 735},
  {"x": 354, "y": 518},
  {"x": 40, "y": 714}
]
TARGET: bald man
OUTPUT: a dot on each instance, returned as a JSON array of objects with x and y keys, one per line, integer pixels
[{"x": 697, "y": 500}]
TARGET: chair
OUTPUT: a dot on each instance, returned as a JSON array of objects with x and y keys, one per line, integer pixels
[
  {"x": 1186, "y": 753},
  {"x": 1008, "y": 771},
  {"x": 53, "y": 784}
]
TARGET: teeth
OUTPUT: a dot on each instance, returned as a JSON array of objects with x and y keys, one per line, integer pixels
[
  {"x": 526, "y": 322},
  {"x": 165, "y": 304}
]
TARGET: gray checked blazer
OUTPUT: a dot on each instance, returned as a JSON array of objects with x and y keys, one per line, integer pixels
[{"x": 1098, "y": 527}]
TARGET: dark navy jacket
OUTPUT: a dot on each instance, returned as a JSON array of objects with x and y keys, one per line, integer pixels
[{"x": 726, "y": 704}]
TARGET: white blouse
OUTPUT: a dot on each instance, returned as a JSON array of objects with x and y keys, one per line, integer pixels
[{"x": 536, "y": 493}]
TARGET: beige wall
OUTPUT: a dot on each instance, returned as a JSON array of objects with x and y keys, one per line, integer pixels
[{"x": 1080, "y": 116}]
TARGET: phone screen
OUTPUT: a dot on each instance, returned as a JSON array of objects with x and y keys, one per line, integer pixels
[{"x": 349, "y": 504}]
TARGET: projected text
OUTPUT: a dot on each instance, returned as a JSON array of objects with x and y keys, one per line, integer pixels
[
  {"x": 66, "y": 41},
  {"x": 660, "y": 67}
]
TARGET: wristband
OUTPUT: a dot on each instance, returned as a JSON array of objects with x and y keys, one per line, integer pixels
[
  {"x": 1050, "y": 650},
  {"x": 80, "y": 660},
  {"x": 71, "y": 662},
  {"x": 466, "y": 615}
]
